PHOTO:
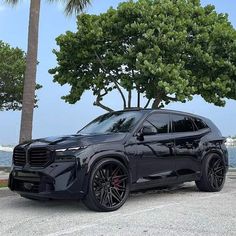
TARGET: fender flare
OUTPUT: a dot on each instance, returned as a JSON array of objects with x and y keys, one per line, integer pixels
[
  {"x": 217, "y": 151},
  {"x": 107, "y": 154}
]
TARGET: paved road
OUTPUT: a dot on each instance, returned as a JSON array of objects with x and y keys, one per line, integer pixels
[{"x": 180, "y": 211}]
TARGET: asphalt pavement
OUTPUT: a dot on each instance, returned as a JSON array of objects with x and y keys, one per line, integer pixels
[{"x": 178, "y": 211}]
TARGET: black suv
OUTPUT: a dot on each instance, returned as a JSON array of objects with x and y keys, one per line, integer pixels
[{"x": 120, "y": 152}]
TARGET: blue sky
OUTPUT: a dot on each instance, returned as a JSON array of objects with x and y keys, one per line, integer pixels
[{"x": 54, "y": 116}]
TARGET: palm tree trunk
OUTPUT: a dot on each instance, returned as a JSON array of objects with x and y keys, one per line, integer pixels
[{"x": 30, "y": 73}]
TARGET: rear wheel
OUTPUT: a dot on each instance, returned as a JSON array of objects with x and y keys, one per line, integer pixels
[
  {"x": 213, "y": 174},
  {"x": 108, "y": 186}
]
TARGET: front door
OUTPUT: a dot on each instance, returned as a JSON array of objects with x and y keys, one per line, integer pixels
[{"x": 155, "y": 152}]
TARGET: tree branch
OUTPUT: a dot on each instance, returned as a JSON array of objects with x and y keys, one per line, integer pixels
[
  {"x": 129, "y": 98},
  {"x": 98, "y": 102},
  {"x": 121, "y": 93},
  {"x": 147, "y": 104},
  {"x": 158, "y": 99},
  {"x": 114, "y": 81},
  {"x": 138, "y": 97},
  {"x": 156, "y": 103}
]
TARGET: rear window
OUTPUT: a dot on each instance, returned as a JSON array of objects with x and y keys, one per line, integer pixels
[
  {"x": 200, "y": 124},
  {"x": 182, "y": 124}
]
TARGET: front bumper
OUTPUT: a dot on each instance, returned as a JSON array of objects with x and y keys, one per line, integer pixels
[{"x": 65, "y": 180}]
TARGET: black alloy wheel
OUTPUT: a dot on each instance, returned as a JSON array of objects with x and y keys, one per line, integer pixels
[
  {"x": 213, "y": 176},
  {"x": 216, "y": 172},
  {"x": 108, "y": 186}
]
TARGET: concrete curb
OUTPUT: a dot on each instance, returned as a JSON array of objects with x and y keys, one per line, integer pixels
[{"x": 4, "y": 188}]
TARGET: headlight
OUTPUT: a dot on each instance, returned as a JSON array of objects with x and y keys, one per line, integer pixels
[
  {"x": 71, "y": 149},
  {"x": 67, "y": 154}
]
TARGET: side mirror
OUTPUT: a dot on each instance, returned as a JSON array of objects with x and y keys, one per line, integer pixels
[{"x": 147, "y": 130}]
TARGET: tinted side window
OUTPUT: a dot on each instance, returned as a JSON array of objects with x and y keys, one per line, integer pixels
[
  {"x": 182, "y": 124},
  {"x": 160, "y": 122},
  {"x": 200, "y": 124}
]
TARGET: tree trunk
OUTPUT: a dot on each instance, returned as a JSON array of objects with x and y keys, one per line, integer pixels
[
  {"x": 129, "y": 99},
  {"x": 30, "y": 73},
  {"x": 156, "y": 103},
  {"x": 138, "y": 99}
]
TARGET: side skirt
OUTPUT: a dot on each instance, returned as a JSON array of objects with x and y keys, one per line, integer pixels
[{"x": 164, "y": 182}]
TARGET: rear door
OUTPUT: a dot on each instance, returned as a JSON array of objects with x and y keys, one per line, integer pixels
[{"x": 187, "y": 152}]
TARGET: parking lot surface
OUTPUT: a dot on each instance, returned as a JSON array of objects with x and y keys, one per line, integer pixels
[{"x": 182, "y": 210}]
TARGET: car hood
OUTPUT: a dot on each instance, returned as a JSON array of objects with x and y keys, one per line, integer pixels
[{"x": 59, "y": 142}]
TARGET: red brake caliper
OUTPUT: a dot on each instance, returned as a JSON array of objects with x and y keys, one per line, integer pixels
[{"x": 116, "y": 182}]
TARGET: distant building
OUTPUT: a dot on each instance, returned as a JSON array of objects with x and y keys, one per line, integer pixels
[{"x": 230, "y": 142}]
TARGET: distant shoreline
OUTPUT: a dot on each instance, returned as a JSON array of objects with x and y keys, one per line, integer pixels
[{"x": 6, "y": 149}]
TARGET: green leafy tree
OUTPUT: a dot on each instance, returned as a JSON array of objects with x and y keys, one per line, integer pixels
[
  {"x": 12, "y": 69},
  {"x": 31, "y": 60},
  {"x": 164, "y": 50}
]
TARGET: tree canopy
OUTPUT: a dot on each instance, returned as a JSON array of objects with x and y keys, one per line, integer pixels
[
  {"x": 12, "y": 69},
  {"x": 164, "y": 50}
]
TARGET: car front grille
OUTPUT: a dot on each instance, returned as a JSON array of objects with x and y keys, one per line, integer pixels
[
  {"x": 19, "y": 157},
  {"x": 35, "y": 157},
  {"x": 39, "y": 157}
]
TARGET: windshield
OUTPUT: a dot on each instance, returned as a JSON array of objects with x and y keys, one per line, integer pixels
[{"x": 114, "y": 122}]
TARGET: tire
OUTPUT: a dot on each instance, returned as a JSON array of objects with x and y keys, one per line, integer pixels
[
  {"x": 108, "y": 186},
  {"x": 213, "y": 174}
]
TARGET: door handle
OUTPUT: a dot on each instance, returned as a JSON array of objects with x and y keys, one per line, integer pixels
[
  {"x": 170, "y": 144},
  {"x": 189, "y": 145}
]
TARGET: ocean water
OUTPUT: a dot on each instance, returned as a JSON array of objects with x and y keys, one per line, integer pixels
[
  {"x": 232, "y": 156},
  {"x": 6, "y": 157}
]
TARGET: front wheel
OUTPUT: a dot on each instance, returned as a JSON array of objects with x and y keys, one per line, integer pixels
[
  {"x": 108, "y": 186},
  {"x": 213, "y": 174}
]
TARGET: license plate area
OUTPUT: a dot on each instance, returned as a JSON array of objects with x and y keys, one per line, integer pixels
[
  {"x": 32, "y": 182},
  {"x": 27, "y": 176}
]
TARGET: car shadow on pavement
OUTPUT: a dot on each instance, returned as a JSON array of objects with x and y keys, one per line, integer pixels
[
  {"x": 181, "y": 188},
  {"x": 49, "y": 205},
  {"x": 75, "y": 206}
]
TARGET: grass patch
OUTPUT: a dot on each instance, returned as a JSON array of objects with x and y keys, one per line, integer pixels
[{"x": 3, "y": 183}]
